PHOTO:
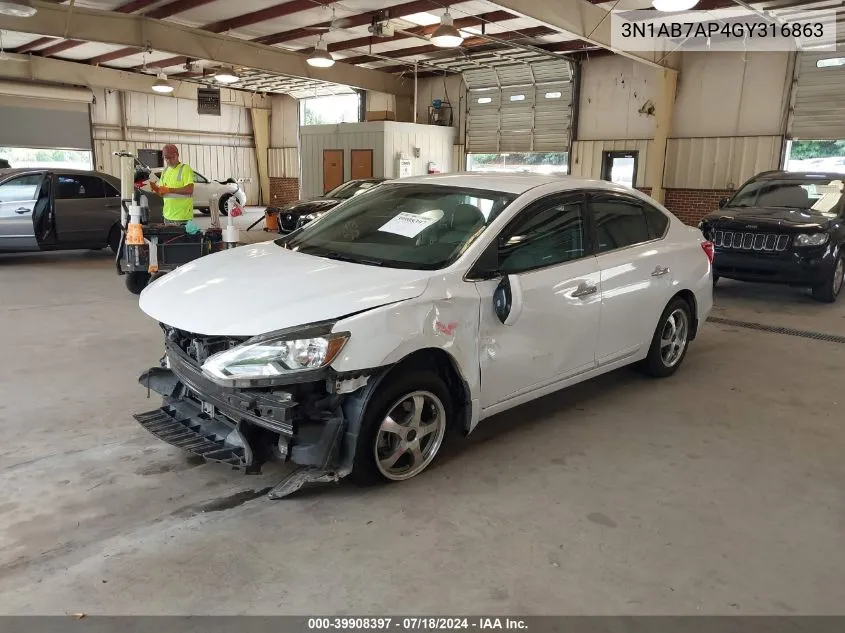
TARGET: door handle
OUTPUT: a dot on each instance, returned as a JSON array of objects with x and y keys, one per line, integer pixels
[
  {"x": 584, "y": 290},
  {"x": 659, "y": 271},
  {"x": 22, "y": 210}
]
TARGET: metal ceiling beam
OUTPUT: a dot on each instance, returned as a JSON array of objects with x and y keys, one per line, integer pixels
[
  {"x": 140, "y": 32},
  {"x": 583, "y": 20},
  {"x": 468, "y": 43},
  {"x": 396, "y": 11},
  {"x": 361, "y": 19},
  {"x": 421, "y": 31},
  {"x": 129, "y": 7}
]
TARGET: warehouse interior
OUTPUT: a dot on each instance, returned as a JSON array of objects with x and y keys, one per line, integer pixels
[{"x": 717, "y": 491}]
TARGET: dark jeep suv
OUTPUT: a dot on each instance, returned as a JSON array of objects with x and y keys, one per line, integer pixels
[{"x": 782, "y": 227}]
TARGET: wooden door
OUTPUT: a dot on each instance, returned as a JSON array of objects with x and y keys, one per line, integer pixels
[
  {"x": 332, "y": 169},
  {"x": 362, "y": 163}
]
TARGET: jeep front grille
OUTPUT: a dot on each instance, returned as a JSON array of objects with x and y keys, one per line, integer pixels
[{"x": 735, "y": 240}]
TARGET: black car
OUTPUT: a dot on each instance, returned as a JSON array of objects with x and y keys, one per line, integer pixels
[
  {"x": 782, "y": 227},
  {"x": 295, "y": 215}
]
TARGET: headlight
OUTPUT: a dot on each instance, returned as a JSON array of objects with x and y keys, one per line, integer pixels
[
  {"x": 272, "y": 358},
  {"x": 812, "y": 239},
  {"x": 313, "y": 216}
]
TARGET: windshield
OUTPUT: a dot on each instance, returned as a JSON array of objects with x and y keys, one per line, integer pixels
[
  {"x": 821, "y": 195},
  {"x": 349, "y": 189},
  {"x": 419, "y": 226}
]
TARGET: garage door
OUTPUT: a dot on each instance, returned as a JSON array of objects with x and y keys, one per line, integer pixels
[
  {"x": 520, "y": 108},
  {"x": 54, "y": 118},
  {"x": 818, "y": 97}
]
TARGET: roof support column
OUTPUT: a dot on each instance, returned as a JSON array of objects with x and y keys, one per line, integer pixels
[
  {"x": 261, "y": 134},
  {"x": 667, "y": 81}
]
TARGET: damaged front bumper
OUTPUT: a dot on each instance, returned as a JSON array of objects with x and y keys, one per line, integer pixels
[{"x": 304, "y": 423}]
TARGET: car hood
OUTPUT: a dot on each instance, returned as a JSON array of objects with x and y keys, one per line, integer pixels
[
  {"x": 263, "y": 287},
  {"x": 787, "y": 217}
]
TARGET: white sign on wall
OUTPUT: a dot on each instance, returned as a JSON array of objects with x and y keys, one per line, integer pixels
[{"x": 406, "y": 167}]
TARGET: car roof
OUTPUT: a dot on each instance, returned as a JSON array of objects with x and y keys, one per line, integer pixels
[
  {"x": 512, "y": 183},
  {"x": 28, "y": 170},
  {"x": 800, "y": 175}
]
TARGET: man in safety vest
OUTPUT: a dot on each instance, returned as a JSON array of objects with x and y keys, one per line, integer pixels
[{"x": 176, "y": 186}]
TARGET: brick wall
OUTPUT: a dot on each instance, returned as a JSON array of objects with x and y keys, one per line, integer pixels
[
  {"x": 690, "y": 205},
  {"x": 283, "y": 191}
]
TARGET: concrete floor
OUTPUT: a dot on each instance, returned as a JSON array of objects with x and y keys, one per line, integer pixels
[{"x": 717, "y": 491}]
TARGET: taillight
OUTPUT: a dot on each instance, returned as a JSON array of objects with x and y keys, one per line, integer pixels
[{"x": 707, "y": 247}]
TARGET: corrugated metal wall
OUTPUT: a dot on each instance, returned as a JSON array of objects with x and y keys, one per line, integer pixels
[
  {"x": 586, "y": 158},
  {"x": 718, "y": 163},
  {"x": 284, "y": 162},
  {"x": 218, "y": 147},
  {"x": 818, "y": 102},
  {"x": 434, "y": 142},
  {"x": 213, "y": 162}
]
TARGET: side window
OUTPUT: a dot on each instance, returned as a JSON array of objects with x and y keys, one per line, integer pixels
[
  {"x": 21, "y": 189},
  {"x": 79, "y": 187},
  {"x": 657, "y": 221},
  {"x": 552, "y": 233},
  {"x": 619, "y": 223},
  {"x": 200, "y": 178}
]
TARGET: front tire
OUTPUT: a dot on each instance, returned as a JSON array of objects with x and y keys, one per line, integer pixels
[
  {"x": 114, "y": 238},
  {"x": 830, "y": 289},
  {"x": 404, "y": 427},
  {"x": 136, "y": 281},
  {"x": 670, "y": 341},
  {"x": 223, "y": 204}
]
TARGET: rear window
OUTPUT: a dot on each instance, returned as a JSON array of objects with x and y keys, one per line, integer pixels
[{"x": 657, "y": 221}]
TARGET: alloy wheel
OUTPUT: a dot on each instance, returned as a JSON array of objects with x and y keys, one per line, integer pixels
[
  {"x": 410, "y": 435},
  {"x": 673, "y": 338}
]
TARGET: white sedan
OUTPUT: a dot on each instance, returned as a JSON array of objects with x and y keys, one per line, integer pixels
[
  {"x": 424, "y": 305},
  {"x": 206, "y": 190}
]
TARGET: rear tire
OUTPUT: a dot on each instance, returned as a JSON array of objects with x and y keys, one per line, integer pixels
[
  {"x": 830, "y": 289},
  {"x": 204, "y": 210},
  {"x": 670, "y": 341},
  {"x": 715, "y": 279},
  {"x": 114, "y": 238},
  {"x": 136, "y": 281},
  {"x": 408, "y": 417}
]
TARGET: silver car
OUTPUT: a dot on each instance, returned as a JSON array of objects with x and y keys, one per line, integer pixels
[{"x": 61, "y": 209}]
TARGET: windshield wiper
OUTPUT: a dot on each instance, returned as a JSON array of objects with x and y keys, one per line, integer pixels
[{"x": 354, "y": 260}]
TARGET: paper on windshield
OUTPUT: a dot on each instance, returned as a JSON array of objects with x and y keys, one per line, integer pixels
[{"x": 407, "y": 224}]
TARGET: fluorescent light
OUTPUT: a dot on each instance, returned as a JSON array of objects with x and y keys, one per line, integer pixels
[
  {"x": 162, "y": 85},
  {"x": 673, "y": 5},
  {"x": 423, "y": 19},
  {"x": 830, "y": 62},
  {"x": 17, "y": 8},
  {"x": 321, "y": 57},
  {"x": 446, "y": 35},
  {"x": 226, "y": 76}
]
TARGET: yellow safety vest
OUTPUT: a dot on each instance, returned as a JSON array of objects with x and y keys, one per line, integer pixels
[{"x": 178, "y": 207}]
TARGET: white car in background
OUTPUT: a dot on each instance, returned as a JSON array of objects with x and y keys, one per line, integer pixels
[
  {"x": 428, "y": 303},
  {"x": 205, "y": 190}
]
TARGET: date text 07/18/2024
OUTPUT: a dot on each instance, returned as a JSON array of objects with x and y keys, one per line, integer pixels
[{"x": 414, "y": 624}]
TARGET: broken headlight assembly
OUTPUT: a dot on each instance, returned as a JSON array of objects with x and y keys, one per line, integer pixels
[{"x": 264, "y": 360}]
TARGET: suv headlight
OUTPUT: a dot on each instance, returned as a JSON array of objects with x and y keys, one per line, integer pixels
[
  {"x": 270, "y": 358},
  {"x": 811, "y": 239},
  {"x": 313, "y": 216}
]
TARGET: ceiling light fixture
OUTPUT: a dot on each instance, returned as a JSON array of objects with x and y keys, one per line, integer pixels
[
  {"x": 321, "y": 57},
  {"x": 162, "y": 85},
  {"x": 17, "y": 8},
  {"x": 446, "y": 35},
  {"x": 670, "y": 6},
  {"x": 226, "y": 76}
]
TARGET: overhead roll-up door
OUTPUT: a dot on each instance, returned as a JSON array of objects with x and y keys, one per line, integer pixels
[
  {"x": 44, "y": 116},
  {"x": 520, "y": 107},
  {"x": 818, "y": 97}
]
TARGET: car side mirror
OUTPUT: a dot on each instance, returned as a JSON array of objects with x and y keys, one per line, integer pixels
[
  {"x": 507, "y": 299},
  {"x": 723, "y": 202}
]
